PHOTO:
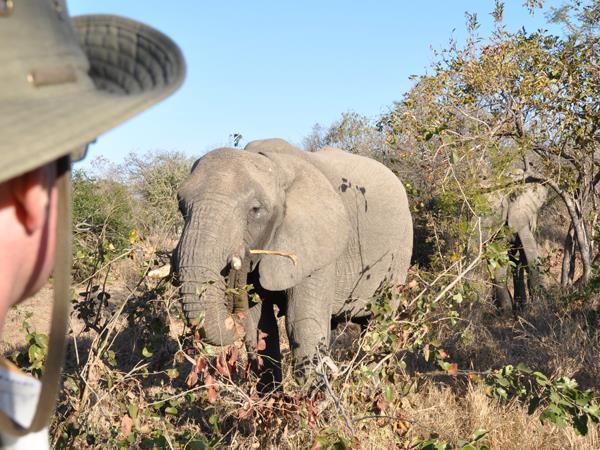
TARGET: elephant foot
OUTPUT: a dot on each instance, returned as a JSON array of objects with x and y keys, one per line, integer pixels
[
  {"x": 503, "y": 302},
  {"x": 269, "y": 375},
  {"x": 267, "y": 367},
  {"x": 314, "y": 372}
]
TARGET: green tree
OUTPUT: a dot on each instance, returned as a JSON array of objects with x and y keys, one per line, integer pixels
[
  {"x": 353, "y": 133},
  {"x": 526, "y": 101},
  {"x": 153, "y": 180},
  {"x": 102, "y": 220}
]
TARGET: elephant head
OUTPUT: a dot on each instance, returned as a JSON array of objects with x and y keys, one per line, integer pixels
[{"x": 235, "y": 201}]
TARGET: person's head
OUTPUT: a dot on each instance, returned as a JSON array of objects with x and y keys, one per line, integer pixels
[
  {"x": 63, "y": 82},
  {"x": 28, "y": 223}
]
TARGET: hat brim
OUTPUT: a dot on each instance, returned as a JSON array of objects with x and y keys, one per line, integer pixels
[{"x": 132, "y": 66}]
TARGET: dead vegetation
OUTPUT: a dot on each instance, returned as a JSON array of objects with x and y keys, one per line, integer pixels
[{"x": 139, "y": 379}]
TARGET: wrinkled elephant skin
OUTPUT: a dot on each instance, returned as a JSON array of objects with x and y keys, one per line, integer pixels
[{"x": 342, "y": 219}]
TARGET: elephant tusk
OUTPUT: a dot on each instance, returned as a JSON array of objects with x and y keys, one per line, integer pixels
[
  {"x": 291, "y": 256},
  {"x": 236, "y": 262}
]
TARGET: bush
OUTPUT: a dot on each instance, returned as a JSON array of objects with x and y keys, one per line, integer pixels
[
  {"x": 153, "y": 180},
  {"x": 102, "y": 221}
]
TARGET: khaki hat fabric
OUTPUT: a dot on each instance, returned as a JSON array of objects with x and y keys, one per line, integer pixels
[{"x": 63, "y": 82}]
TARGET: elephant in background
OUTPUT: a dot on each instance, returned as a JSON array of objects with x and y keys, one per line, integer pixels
[
  {"x": 341, "y": 222},
  {"x": 518, "y": 211}
]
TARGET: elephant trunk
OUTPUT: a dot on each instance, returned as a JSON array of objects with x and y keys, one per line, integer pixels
[
  {"x": 217, "y": 323},
  {"x": 202, "y": 262}
]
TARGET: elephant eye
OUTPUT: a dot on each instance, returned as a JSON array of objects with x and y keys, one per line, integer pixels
[{"x": 257, "y": 212}]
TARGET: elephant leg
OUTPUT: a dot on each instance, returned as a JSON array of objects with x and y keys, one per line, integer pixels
[
  {"x": 530, "y": 252},
  {"x": 502, "y": 297},
  {"x": 520, "y": 290},
  {"x": 308, "y": 318},
  {"x": 262, "y": 342},
  {"x": 568, "y": 263}
]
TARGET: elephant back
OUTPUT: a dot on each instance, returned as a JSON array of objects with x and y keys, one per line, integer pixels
[{"x": 381, "y": 242}]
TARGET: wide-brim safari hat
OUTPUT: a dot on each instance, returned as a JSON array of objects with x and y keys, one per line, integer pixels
[{"x": 65, "y": 81}]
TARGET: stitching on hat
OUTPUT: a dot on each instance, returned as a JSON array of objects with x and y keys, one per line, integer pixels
[{"x": 157, "y": 65}]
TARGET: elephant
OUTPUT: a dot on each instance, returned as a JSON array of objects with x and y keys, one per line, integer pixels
[
  {"x": 331, "y": 228},
  {"x": 518, "y": 211}
]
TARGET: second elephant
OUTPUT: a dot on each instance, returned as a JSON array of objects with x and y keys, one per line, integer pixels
[{"x": 519, "y": 212}]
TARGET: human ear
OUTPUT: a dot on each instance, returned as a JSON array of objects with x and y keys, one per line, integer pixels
[{"x": 31, "y": 194}]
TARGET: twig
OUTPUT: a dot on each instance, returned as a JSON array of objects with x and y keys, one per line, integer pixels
[
  {"x": 122, "y": 255},
  {"x": 459, "y": 277},
  {"x": 338, "y": 403},
  {"x": 176, "y": 396}
]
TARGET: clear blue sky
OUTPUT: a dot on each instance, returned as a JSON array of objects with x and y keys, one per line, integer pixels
[{"x": 273, "y": 68}]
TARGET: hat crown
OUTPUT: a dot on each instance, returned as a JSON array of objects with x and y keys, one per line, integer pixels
[
  {"x": 65, "y": 81},
  {"x": 39, "y": 47}
]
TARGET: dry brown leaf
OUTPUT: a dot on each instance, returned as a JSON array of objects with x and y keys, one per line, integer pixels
[
  {"x": 126, "y": 426},
  {"x": 222, "y": 366},
  {"x": 316, "y": 445},
  {"x": 212, "y": 395},
  {"x": 192, "y": 378},
  {"x": 426, "y": 352},
  {"x": 233, "y": 355},
  {"x": 200, "y": 364},
  {"x": 179, "y": 356},
  {"x": 453, "y": 369}
]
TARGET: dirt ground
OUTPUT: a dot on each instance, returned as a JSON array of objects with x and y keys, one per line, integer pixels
[{"x": 35, "y": 311}]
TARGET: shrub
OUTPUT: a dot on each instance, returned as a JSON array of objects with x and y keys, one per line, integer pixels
[
  {"x": 153, "y": 180},
  {"x": 102, "y": 221}
]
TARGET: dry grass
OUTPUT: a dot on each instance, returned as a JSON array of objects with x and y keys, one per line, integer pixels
[
  {"x": 101, "y": 389},
  {"x": 439, "y": 408}
]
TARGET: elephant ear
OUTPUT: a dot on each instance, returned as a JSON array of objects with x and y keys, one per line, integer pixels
[{"x": 315, "y": 226}]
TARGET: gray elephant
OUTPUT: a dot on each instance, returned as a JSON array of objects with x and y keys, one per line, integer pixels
[
  {"x": 519, "y": 212},
  {"x": 341, "y": 222}
]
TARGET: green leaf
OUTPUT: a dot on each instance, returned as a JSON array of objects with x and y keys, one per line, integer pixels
[
  {"x": 388, "y": 393},
  {"x": 41, "y": 340},
  {"x": 171, "y": 410},
  {"x": 555, "y": 398},
  {"x": 36, "y": 356},
  {"x": 147, "y": 353},
  {"x": 503, "y": 381},
  {"x": 132, "y": 410},
  {"x": 502, "y": 392},
  {"x": 478, "y": 434},
  {"x": 541, "y": 379},
  {"x": 554, "y": 414},
  {"x": 454, "y": 157}
]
